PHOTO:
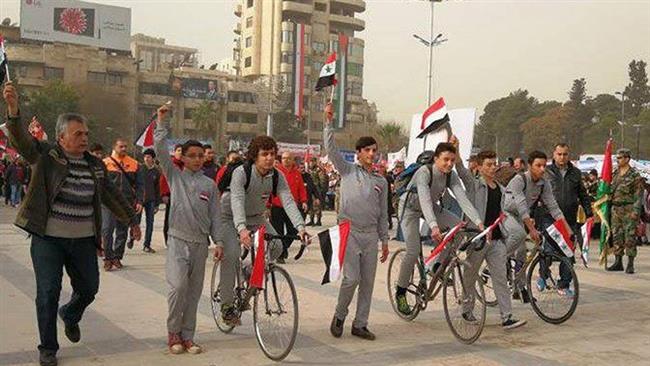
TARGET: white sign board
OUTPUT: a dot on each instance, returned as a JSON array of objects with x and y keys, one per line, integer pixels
[
  {"x": 462, "y": 123},
  {"x": 299, "y": 150},
  {"x": 78, "y": 22}
]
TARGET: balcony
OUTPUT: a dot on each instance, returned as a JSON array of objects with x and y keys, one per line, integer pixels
[
  {"x": 358, "y": 6},
  {"x": 238, "y": 8},
  {"x": 343, "y": 21},
  {"x": 297, "y": 8},
  {"x": 237, "y": 29}
]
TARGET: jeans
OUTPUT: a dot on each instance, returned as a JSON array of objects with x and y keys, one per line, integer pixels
[
  {"x": 149, "y": 212},
  {"x": 16, "y": 194},
  {"x": 49, "y": 257},
  {"x": 280, "y": 220},
  {"x": 113, "y": 247}
]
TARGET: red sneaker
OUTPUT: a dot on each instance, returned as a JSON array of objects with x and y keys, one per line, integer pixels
[
  {"x": 175, "y": 343},
  {"x": 192, "y": 347},
  {"x": 117, "y": 263}
]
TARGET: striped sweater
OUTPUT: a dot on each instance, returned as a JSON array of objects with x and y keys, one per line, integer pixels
[{"x": 71, "y": 214}]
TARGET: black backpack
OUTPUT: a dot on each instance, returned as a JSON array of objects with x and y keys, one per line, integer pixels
[
  {"x": 402, "y": 181},
  {"x": 224, "y": 183}
]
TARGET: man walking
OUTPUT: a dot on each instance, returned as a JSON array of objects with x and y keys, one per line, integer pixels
[
  {"x": 151, "y": 199},
  {"x": 65, "y": 232},
  {"x": 210, "y": 166}
]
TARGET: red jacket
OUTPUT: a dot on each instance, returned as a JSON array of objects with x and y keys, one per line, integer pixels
[
  {"x": 164, "y": 187},
  {"x": 220, "y": 173},
  {"x": 296, "y": 185}
]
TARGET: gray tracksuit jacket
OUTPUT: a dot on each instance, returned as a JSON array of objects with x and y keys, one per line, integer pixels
[
  {"x": 364, "y": 195},
  {"x": 247, "y": 207},
  {"x": 477, "y": 189},
  {"x": 518, "y": 203},
  {"x": 427, "y": 194},
  {"x": 194, "y": 214}
]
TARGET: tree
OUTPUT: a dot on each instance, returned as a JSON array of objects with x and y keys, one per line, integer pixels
[
  {"x": 205, "y": 120},
  {"x": 108, "y": 115},
  {"x": 542, "y": 133},
  {"x": 390, "y": 136},
  {"x": 54, "y": 98},
  {"x": 638, "y": 91},
  {"x": 580, "y": 115}
]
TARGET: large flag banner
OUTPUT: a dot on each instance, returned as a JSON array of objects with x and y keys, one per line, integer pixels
[
  {"x": 586, "y": 236},
  {"x": 342, "y": 81},
  {"x": 327, "y": 75},
  {"x": 145, "y": 139},
  {"x": 333, "y": 242},
  {"x": 560, "y": 235},
  {"x": 433, "y": 118},
  {"x": 602, "y": 204},
  {"x": 4, "y": 64},
  {"x": 257, "y": 275},
  {"x": 299, "y": 70},
  {"x": 448, "y": 238}
]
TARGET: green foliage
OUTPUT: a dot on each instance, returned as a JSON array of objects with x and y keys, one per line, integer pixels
[
  {"x": 390, "y": 136},
  {"x": 47, "y": 103},
  {"x": 637, "y": 92}
]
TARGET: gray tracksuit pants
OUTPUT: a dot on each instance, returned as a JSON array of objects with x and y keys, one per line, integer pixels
[
  {"x": 359, "y": 269},
  {"x": 515, "y": 234},
  {"x": 495, "y": 254},
  {"x": 410, "y": 224},
  {"x": 185, "y": 269}
]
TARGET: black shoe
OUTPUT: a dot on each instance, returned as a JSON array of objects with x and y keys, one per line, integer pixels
[
  {"x": 310, "y": 223},
  {"x": 336, "y": 328},
  {"x": 72, "y": 331},
  {"x": 470, "y": 318},
  {"x": 629, "y": 269},
  {"x": 318, "y": 223},
  {"x": 129, "y": 243},
  {"x": 363, "y": 333},
  {"x": 512, "y": 323},
  {"x": 525, "y": 297},
  {"x": 47, "y": 358},
  {"x": 618, "y": 264}
]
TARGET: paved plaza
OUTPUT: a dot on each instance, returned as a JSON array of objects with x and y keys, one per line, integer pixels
[{"x": 126, "y": 324}]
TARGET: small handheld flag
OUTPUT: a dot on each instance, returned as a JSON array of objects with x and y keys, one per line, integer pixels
[
  {"x": 333, "y": 242},
  {"x": 257, "y": 275},
  {"x": 560, "y": 235},
  {"x": 327, "y": 75},
  {"x": 586, "y": 235},
  {"x": 448, "y": 238},
  {"x": 434, "y": 118}
]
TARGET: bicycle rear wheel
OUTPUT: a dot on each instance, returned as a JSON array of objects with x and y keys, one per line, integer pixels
[
  {"x": 413, "y": 293},
  {"x": 458, "y": 301},
  {"x": 275, "y": 314},
  {"x": 485, "y": 278},
  {"x": 554, "y": 298},
  {"x": 215, "y": 299}
]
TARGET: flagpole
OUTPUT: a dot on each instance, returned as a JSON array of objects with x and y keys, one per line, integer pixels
[{"x": 332, "y": 94}]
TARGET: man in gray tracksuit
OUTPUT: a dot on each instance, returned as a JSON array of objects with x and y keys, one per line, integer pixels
[
  {"x": 364, "y": 203},
  {"x": 485, "y": 193},
  {"x": 194, "y": 217},
  {"x": 524, "y": 194},
  {"x": 427, "y": 186},
  {"x": 243, "y": 212}
]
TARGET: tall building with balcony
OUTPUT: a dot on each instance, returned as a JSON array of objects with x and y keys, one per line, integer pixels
[{"x": 264, "y": 45}]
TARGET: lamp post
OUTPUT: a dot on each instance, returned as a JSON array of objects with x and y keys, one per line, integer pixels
[{"x": 622, "y": 121}]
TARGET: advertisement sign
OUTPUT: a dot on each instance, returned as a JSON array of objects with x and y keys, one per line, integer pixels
[
  {"x": 300, "y": 150},
  {"x": 200, "y": 89},
  {"x": 77, "y": 22}
]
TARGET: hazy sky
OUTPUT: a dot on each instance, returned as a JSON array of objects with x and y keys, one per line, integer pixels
[{"x": 494, "y": 46}]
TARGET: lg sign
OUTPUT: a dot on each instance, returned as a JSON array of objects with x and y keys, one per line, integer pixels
[{"x": 33, "y": 2}]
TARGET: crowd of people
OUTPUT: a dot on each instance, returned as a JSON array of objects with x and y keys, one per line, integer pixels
[{"x": 96, "y": 200}]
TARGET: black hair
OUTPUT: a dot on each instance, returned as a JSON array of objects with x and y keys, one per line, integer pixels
[
  {"x": 96, "y": 147},
  {"x": 444, "y": 147},
  {"x": 365, "y": 141},
  {"x": 260, "y": 143},
  {"x": 190, "y": 143},
  {"x": 536, "y": 155},
  {"x": 485, "y": 154},
  {"x": 177, "y": 146},
  {"x": 150, "y": 152},
  {"x": 593, "y": 172},
  {"x": 560, "y": 144},
  {"x": 207, "y": 146}
]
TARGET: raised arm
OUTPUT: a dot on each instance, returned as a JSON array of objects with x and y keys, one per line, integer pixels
[
  {"x": 19, "y": 137},
  {"x": 342, "y": 166},
  {"x": 160, "y": 144}
]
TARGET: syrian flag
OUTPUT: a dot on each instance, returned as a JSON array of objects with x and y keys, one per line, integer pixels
[
  {"x": 560, "y": 235},
  {"x": 433, "y": 118},
  {"x": 327, "y": 75},
  {"x": 145, "y": 140},
  {"x": 4, "y": 64},
  {"x": 490, "y": 228},
  {"x": 257, "y": 275},
  {"x": 332, "y": 245},
  {"x": 602, "y": 206},
  {"x": 586, "y": 235},
  {"x": 435, "y": 253}
]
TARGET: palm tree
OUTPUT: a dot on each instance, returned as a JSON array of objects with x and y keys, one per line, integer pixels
[
  {"x": 205, "y": 119},
  {"x": 391, "y": 136}
]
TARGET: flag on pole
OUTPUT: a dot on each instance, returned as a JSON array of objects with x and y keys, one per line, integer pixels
[
  {"x": 299, "y": 70},
  {"x": 257, "y": 275},
  {"x": 145, "y": 139},
  {"x": 602, "y": 204},
  {"x": 586, "y": 235},
  {"x": 434, "y": 117},
  {"x": 490, "y": 228},
  {"x": 4, "y": 63},
  {"x": 327, "y": 75},
  {"x": 560, "y": 235},
  {"x": 333, "y": 242},
  {"x": 435, "y": 253}
]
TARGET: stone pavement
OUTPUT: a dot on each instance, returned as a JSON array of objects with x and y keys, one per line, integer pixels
[{"x": 126, "y": 324}]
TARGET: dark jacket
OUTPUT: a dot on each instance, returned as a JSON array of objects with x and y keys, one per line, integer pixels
[
  {"x": 210, "y": 170},
  {"x": 312, "y": 191},
  {"x": 151, "y": 184},
  {"x": 49, "y": 170},
  {"x": 127, "y": 175},
  {"x": 569, "y": 191}
]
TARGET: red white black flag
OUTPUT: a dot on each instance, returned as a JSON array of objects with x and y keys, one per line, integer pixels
[
  {"x": 332, "y": 245},
  {"x": 434, "y": 117},
  {"x": 257, "y": 275},
  {"x": 560, "y": 235},
  {"x": 4, "y": 65},
  {"x": 145, "y": 140},
  {"x": 327, "y": 75}
]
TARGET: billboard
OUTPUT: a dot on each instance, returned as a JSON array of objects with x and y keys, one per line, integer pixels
[
  {"x": 78, "y": 22},
  {"x": 200, "y": 89}
]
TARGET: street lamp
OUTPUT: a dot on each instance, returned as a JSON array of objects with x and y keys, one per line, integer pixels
[
  {"x": 622, "y": 121},
  {"x": 432, "y": 42}
]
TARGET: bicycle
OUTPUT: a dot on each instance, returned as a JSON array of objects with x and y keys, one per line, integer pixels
[
  {"x": 275, "y": 312},
  {"x": 425, "y": 284},
  {"x": 545, "y": 298}
]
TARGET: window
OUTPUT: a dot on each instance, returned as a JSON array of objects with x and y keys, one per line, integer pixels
[
  {"x": 96, "y": 77},
  {"x": 250, "y": 118},
  {"x": 249, "y": 3},
  {"x": 287, "y": 36},
  {"x": 355, "y": 69},
  {"x": 248, "y": 98},
  {"x": 232, "y": 117},
  {"x": 187, "y": 113},
  {"x": 287, "y": 57},
  {"x": 249, "y": 41},
  {"x": 319, "y": 46},
  {"x": 22, "y": 71},
  {"x": 154, "y": 89},
  {"x": 247, "y": 62},
  {"x": 320, "y": 7},
  {"x": 50, "y": 73},
  {"x": 249, "y": 22},
  {"x": 114, "y": 79},
  {"x": 357, "y": 89},
  {"x": 233, "y": 96},
  {"x": 355, "y": 50}
]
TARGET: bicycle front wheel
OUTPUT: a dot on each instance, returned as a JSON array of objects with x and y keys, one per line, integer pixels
[
  {"x": 485, "y": 278},
  {"x": 554, "y": 288},
  {"x": 215, "y": 299},
  {"x": 465, "y": 315},
  {"x": 275, "y": 314},
  {"x": 413, "y": 292}
]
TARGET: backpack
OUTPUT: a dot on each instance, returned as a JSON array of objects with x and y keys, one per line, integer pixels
[
  {"x": 504, "y": 175},
  {"x": 402, "y": 181},
  {"x": 224, "y": 183}
]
